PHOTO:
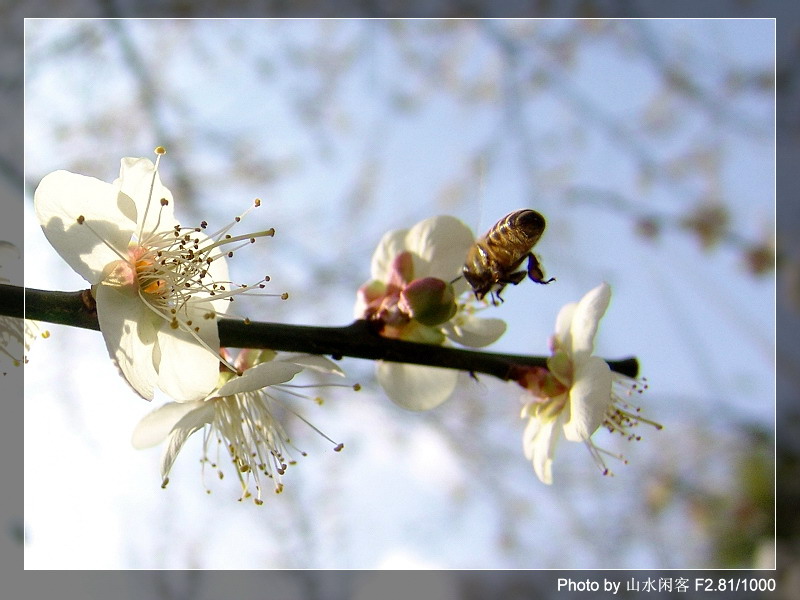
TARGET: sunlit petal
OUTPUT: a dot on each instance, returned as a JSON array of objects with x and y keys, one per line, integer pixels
[
  {"x": 61, "y": 198},
  {"x": 415, "y": 387},
  {"x": 188, "y": 368},
  {"x": 474, "y": 332},
  {"x": 562, "y": 333},
  {"x": 136, "y": 176},
  {"x": 589, "y": 399},
  {"x": 439, "y": 246},
  {"x": 260, "y": 376},
  {"x": 390, "y": 245},
  {"x": 193, "y": 421},
  {"x": 314, "y": 362},
  {"x": 156, "y": 425},
  {"x": 129, "y": 330},
  {"x": 539, "y": 443},
  {"x": 586, "y": 319}
]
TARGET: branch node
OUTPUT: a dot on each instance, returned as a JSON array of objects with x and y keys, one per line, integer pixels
[{"x": 89, "y": 302}]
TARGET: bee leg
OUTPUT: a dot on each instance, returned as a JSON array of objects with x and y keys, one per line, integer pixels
[
  {"x": 512, "y": 278},
  {"x": 535, "y": 272},
  {"x": 496, "y": 296},
  {"x": 515, "y": 278}
]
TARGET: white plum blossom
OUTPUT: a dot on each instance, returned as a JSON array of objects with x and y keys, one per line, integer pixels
[
  {"x": 412, "y": 296},
  {"x": 158, "y": 287},
  {"x": 577, "y": 392},
  {"x": 241, "y": 417}
]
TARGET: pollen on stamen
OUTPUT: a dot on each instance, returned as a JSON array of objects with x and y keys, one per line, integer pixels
[
  {"x": 160, "y": 150},
  {"x": 81, "y": 219}
]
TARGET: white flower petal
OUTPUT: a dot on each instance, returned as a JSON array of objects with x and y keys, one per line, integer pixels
[
  {"x": 563, "y": 324},
  {"x": 539, "y": 443},
  {"x": 359, "y": 308},
  {"x": 61, "y": 198},
  {"x": 313, "y": 362},
  {"x": 187, "y": 369},
  {"x": 586, "y": 318},
  {"x": 460, "y": 286},
  {"x": 260, "y": 376},
  {"x": 474, "y": 332},
  {"x": 589, "y": 398},
  {"x": 156, "y": 425},
  {"x": 194, "y": 420},
  {"x": 415, "y": 387},
  {"x": 392, "y": 243},
  {"x": 440, "y": 246},
  {"x": 129, "y": 331},
  {"x": 135, "y": 181}
]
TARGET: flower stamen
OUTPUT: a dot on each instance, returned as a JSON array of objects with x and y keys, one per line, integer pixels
[
  {"x": 159, "y": 151},
  {"x": 247, "y": 426},
  {"x": 170, "y": 269}
]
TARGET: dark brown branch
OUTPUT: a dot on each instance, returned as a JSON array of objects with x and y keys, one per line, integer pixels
[{"x": 355, "y": 340}]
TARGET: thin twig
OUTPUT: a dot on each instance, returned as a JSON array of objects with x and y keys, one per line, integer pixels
[{"x": 355, "y": 340}]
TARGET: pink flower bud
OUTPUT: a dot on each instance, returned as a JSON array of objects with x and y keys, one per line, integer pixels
[
  {"x": 372, "y": 290},
  {"x": 402, "y": 269}
]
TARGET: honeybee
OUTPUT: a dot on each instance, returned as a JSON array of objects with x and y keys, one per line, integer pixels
[{"x": 493, "y": 260}]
